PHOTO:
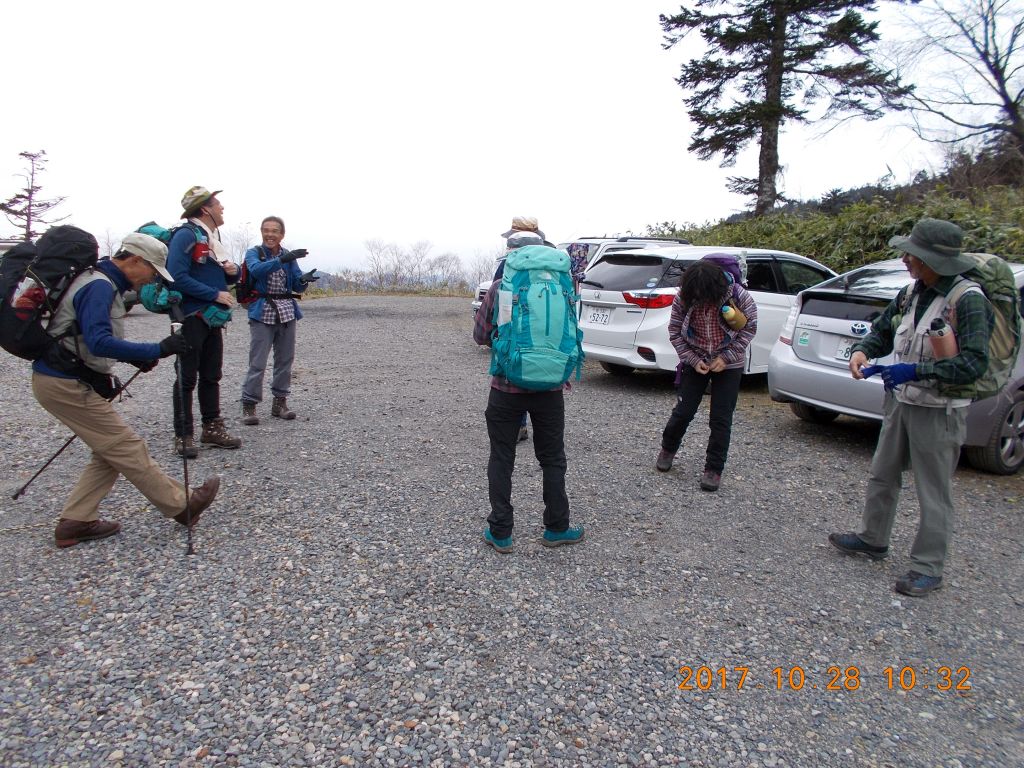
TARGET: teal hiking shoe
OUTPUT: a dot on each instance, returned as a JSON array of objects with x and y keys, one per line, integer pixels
[
  {"x": 502, "y": 545},
  {"x": 571, "y": 535}
]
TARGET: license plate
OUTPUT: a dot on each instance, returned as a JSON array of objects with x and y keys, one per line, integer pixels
[
  {"x": 845, "y": 348},
  {"x": 597, "y": 315}
]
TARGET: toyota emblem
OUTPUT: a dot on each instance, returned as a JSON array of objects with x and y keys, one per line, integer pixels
[{"x": 859, "y": 329}]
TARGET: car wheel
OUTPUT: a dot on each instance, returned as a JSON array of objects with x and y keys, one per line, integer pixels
[
  {"x": 812, "y": 414},
  {"x": 617, "y": 370},
  {"x": 1004, "y": 452}
]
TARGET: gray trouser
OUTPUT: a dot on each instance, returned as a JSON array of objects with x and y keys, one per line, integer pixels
[
  {"x": 927, "y": 440},
  {"x": 280, "y": 336}
]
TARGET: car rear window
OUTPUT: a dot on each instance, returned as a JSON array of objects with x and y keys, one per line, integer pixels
[
  {"x": 872, "y": 281},
  {"x": 844, "y": 307},
  {"x": 628, "y": 272}
]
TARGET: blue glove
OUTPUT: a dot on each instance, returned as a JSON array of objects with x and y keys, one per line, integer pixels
[
  {"x": 870, "y": 370},
  {"x": 901, "y": 373}
]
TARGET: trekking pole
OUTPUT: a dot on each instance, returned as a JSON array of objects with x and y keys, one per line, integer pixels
[
  {"x": 18, "y": 493},
  {"x": 177, "y": 322}
]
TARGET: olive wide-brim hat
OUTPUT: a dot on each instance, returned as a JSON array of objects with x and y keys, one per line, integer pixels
[
  {"x": 938, "y": 244},
  {"x": 194, "y": 199}
]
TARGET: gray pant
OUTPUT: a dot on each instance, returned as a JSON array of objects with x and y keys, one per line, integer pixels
[
  {"x": 927, "y": 440},
  {"x": 280, "y": 336}
]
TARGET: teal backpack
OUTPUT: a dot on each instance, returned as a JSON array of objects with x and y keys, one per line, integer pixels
[{"x": 536, "y": 343}]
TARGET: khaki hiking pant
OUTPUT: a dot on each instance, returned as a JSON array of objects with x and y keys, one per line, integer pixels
[
  {"x": 116, "y": 449},
  {"x": 928, "y": 441}
]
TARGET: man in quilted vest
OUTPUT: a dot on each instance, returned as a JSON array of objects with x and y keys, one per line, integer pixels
[
  {"x": 93, "y": 305},
  {"x": 926, "y": 399}
]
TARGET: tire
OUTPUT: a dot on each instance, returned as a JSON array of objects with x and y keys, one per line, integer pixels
[
  {"x": 617, "y": 370},
  {"x": 1003, "y": 454},
  {"x": 812, "y": 414}
]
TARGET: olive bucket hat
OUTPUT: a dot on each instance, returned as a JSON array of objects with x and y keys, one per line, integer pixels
[
  {"x": 937, "y": 243},
  {"x": 195, "y": 198}
]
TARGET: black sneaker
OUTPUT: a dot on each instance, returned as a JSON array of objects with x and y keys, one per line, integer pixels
[
  {"x": 852, "y": 544},
  {"x": 710, "y": 480},
  {"x": 664, "y": 462},
  {"x": 917, "y": 584}
]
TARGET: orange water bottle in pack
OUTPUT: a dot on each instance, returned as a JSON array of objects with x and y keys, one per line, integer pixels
[{"x": 942, "y": 339}]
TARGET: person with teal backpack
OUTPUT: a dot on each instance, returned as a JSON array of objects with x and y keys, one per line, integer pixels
[{"x": 529, "y": 319}]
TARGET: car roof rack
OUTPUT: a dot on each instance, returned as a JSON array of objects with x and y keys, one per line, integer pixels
[{"x": 628, "y": 238}]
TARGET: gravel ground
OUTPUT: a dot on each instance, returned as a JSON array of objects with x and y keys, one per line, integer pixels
[{"x": 341, "y": 608}]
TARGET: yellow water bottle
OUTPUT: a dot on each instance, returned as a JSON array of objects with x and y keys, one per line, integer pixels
[{"x": 733, "y": 317}]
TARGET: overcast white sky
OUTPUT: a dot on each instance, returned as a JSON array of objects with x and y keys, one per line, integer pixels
[{"x": 402, "y": 121}]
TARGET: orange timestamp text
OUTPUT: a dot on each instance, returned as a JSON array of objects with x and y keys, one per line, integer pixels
[{"x": 835, "y": 678}]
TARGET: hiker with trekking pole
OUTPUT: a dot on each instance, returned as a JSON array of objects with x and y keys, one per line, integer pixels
[{"x": 72, "y": 374}]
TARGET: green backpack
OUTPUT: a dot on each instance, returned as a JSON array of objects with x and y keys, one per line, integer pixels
[
  {"x": 536, "y": 343},
  {"x": 995, "y": 278}
]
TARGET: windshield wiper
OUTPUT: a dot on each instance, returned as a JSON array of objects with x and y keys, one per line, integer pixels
[{"x": 591, "y": 282}]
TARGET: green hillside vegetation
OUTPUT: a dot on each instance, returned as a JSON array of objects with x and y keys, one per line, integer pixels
[
  {"x": 992, "y": 220},
  {"x": 982, "y": 191}
]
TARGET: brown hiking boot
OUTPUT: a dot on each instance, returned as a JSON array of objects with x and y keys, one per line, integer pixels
[
  {"x": 202, "y": 497},
  {"x": 215, "y": 433},
  {"x": 249, "y": 417},
  {"x": 71, "y": 532},
  {"x": 280, "y": 409},
  {"x": 185, "y": 446}
]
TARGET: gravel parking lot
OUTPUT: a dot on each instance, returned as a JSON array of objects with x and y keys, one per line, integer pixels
[{"x": 342, "y": 609}]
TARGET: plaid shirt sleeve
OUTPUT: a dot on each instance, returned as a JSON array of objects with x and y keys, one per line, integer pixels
[
  {"x": 974, "y": 321},
  {"x": 677, "y": 334},
  {"x": 483, "y": 323}
]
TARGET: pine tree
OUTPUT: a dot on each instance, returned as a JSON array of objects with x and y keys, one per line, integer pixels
[
  {"x": 767, "y": 63},
  {"x": 26, "y": 209}
]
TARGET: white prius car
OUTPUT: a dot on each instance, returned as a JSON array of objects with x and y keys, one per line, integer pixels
[{"x": 626, "y": 302}]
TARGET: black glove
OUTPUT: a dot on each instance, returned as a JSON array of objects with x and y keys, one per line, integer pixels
[
  {"x": 144, "y": 365},
  {"x": 309, "y": 277},
  {"x": 298, "y": 253},
  {"x": 174, "y": 344}
]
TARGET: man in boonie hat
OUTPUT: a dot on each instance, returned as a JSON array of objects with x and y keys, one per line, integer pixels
[
  {"x": 202, "y": 271},
  {"x": 926, "y": 398},
  {"x": 524, "y": 224},
  {"x": 77, "y": 389}
]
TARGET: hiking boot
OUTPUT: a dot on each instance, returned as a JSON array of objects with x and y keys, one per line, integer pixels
[
  {"x": 664, "y": 462},
  {"x": 917, "y": 584},
  {"x": 571, "y": 535},
  {"x": 280, "y": 409},
  {"x": 524, "y": 434},
  {"x": 710, "y": 481},
  {"x": 202, "y": 497},
  {"x": 215, "y": 433},
  {"x": 502, "y": 545},
  {"x": 249, "y": 417},
  {"x": 852, "y": 544},
  {"x": 71, "y": 532},
  {"x": 185, "y": 446}
]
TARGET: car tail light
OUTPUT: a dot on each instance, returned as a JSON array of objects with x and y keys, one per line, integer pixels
[
  {"x": 786, "y": 334},
  {"x": 650, "y": 300},
  {"x": 647, "y": 354}
]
